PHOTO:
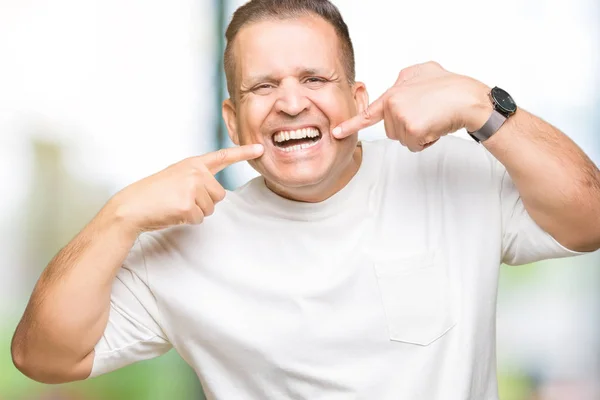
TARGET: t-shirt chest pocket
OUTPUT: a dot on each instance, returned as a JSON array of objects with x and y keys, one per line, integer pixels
[{"x": 416, "y": 298}]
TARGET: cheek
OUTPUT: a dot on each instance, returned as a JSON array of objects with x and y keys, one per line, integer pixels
[
  {"x": 337, "y": 105},
  {"x": 252, "y": 114}
]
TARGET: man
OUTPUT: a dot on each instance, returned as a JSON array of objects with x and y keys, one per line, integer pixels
[{"x": 345, "y": 270}]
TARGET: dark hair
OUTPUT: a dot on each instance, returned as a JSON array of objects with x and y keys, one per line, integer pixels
[{"x": 257, "y": 10}]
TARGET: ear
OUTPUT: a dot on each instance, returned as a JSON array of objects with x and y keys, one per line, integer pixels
[
  {"x": 230, "y": 118},
  {"x": 361, "y": 97}
]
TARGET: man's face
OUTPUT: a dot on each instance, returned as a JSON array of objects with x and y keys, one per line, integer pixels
[{"x": 291, "y": 91}]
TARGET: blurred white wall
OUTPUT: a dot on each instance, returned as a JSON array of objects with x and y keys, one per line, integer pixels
[{"x": 125, "y": 87}]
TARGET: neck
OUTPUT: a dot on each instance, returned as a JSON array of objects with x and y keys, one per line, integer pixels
[{"x": 325, "y": 189}]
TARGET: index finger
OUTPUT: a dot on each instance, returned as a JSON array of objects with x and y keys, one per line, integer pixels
[
  {"x": 370, "y": 116},
  {"x": 220, "y": 159}
]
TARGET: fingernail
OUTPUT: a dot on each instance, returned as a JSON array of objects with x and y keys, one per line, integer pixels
[
  {"x": 258, "y": 148},
  {"x": 336, "y": 132}
]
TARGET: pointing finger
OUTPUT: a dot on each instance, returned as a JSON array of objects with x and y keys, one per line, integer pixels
[
  {"x": 370, "y": 116},
  {"x": 220, "y": 159}
]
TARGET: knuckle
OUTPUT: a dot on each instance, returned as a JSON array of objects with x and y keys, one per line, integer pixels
[
  {"x": 196, "y": 215},
  {"x": 403, "y": 74},
  {"x": 186, "y": 208},
  {"x": 188, "y": 217},
  {"x": 187, "y": 201},
  {"x": 433, "y": 64},
  {"x": 197, "y": 168},
  {"x": 191, "y": 163},
  {"x": 427, "y": 140},
  {"x": 196, "y": 174},
  {"x": 210, "y": 209},
  {"x": 406, "y": 74},
  {"x": 398, "y": 114},
  {"x": 221, "y": 155},
  {"x": 221, "y": 195},
  {"x": 394, "y": 101},
  {"x": 410, "y": 127},
  {"x": 416, "y": 128},
  {"x": 194, "y": 181}
]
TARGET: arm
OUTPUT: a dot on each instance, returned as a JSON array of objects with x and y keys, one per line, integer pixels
[
  {"x": 558, "y": 183},
  {"x": 70, "y": 306}
]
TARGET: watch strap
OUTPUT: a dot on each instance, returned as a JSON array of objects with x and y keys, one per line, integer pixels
[{"x": 490, "y": 127}]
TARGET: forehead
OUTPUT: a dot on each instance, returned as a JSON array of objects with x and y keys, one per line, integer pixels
[{"x": 278, "y": 47}]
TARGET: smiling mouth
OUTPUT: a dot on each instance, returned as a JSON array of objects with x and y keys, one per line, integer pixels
[{"x": 298, "y": 139}]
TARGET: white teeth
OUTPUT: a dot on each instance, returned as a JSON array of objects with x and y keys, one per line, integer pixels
[
  {"x": 283, "y": 136},
  {"x": 297, "y": 147}
]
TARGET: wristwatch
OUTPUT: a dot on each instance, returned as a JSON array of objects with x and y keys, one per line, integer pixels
[{"x": 504, "y": 107}]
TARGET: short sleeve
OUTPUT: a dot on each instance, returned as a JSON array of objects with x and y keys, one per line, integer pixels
[
  {"x": 523, "y": 241},
  {"x": 134, "y": 329}
]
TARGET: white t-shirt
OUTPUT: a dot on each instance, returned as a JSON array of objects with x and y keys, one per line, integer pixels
[{"x": 386, "y": 290}]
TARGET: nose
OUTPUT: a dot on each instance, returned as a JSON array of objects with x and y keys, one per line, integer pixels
[{"x": 292, "y": 100}]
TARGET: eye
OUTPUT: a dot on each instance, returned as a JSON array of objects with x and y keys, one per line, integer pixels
[
  {"x": 314, "y": 82},
  {"x": 263, "y": 88}
]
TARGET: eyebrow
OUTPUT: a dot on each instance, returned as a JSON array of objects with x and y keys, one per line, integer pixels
[{"x": 253, "y": 80}]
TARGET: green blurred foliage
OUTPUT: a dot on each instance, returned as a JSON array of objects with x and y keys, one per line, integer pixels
[{"x": 514, "y": 386}]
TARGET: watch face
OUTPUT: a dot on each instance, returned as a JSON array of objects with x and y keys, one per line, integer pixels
[{"x": 504, "y": 101}]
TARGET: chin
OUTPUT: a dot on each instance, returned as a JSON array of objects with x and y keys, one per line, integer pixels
[{"x": 297, "y": 179}]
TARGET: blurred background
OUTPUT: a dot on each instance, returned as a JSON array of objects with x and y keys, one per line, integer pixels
[{"x": 95, "y": 95}]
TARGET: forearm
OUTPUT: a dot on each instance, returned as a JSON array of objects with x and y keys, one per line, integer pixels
[
  {"x": 558, "y": 183},
  {"x": 68, "y": 310}
]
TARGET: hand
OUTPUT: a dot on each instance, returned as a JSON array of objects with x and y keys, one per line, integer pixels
[
  {"x": 426, "y": 103},
  {"x": 184, "y": 193}
]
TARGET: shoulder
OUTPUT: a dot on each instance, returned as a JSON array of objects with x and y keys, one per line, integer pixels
[
  {"x": 163, "y": 246},
  {"x": 449, "y": 146},
  {"x": 452, "y": 159},
  {"x": 185, "y": 240}
]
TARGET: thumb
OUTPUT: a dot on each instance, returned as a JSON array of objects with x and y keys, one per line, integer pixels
[{"x": 370, "y": 116}]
